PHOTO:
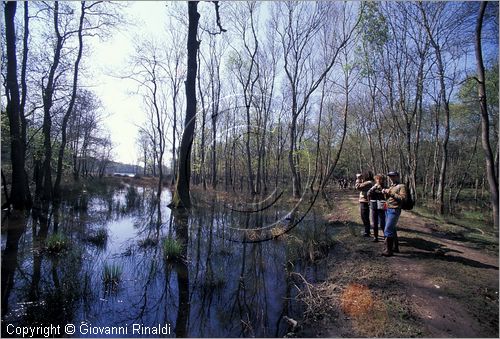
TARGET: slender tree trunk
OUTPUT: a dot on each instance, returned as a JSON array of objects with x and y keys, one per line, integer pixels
[
  {"x": 317, "y": 166},
  {"x": 444, "y": 145},
  {"x": 174, "y": 132},
  {"x": 446, "y": 106},
  {"x": 491, "y": 172},
  {"x": 181, "y": 196},
  {"x": 69, "y": 111},
  {"x": 418, "y": 113},
  {"x": 203, "y": 123},
  {"x": 466, "y": 171},
  {"x": 248, "y": 153},
  {"x": 344, "y": 132},
  {"x": 24, "y": 123},
  {"x": 436, "y": 154},
  {"x": 48, "y": 93},
  {"x": 215, "y": 113}
]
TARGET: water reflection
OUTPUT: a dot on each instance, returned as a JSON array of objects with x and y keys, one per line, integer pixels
[{"x": 215, "y": 288}]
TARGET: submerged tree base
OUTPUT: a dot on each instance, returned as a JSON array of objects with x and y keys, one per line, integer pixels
[{"x": 178, "y": 202}]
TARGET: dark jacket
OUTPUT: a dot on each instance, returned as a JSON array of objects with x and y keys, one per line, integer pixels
[{"x": 375, "y": 193}]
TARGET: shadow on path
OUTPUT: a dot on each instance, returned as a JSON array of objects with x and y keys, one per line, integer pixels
[{"x": 424, "y": 249}]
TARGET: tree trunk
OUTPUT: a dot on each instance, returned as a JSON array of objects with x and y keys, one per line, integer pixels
[
  {"x": 181, "y": 196},
  {"x": 17, "y": 193},
  {"x": 24, "y": 123},
  {"x": 203, "y": 122},
  {"x": 466, "y": 171},
  {"x": 485, "y": 128},
  {"x": 251, "y": 185},
  {"x": 419, "y": 114},
  {"x": 296, "y": 186},
  {"x": 174, "y": 130},
  {"x": 48, "y": 93},
  {"x": 444, "y": 145},
  {"x": 69, "y": 111},
  {"x": 215, "y": 113}
]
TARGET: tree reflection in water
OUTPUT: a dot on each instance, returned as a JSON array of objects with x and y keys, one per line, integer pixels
[{"x": 219, "y": 287}]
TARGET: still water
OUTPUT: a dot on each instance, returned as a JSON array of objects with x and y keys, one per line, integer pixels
[{"x": 220, "y": 287}]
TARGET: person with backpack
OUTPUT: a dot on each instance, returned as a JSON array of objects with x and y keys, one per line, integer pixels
[
  {"x": 377, "y": 205},
  {"x": 396, "y": 196},
  {"x": 363, "y": 184}
]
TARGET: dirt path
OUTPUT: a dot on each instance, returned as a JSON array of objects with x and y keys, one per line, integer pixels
[
  {"x": 443, "y": 315},
  {"x": 443, "y": 283},
  {"x": 452, "y": 287}
]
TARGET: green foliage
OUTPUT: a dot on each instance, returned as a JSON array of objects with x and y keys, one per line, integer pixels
[
  {"x": 374, "y": 33},
  {"x": 172, "y": 249},
  {"x": 468, "y": 91},
  {"x": 56, "y": 243},
  {"x": 373, "y": 25}
]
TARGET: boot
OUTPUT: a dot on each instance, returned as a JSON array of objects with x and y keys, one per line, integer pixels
[
  {"x": 395, "y": 248},
  {"x": 389, "y": 241}
]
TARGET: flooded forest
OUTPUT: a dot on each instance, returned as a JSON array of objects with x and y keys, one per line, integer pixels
[{"x": 187, "y": 169}]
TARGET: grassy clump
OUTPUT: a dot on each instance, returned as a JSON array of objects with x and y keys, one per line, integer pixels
[
  {"x": 56, "y": 243},
  {"x": 131, "y": 197},
  {"x": 112, "y": 274},
  {"x": 99, "y": 237},
  {"x": 172, "y": 248}
]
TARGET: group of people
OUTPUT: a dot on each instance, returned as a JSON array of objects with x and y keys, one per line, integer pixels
[{"x": 384, "y": 200}]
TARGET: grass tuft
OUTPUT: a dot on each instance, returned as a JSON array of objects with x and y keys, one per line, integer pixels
[
  {"x": 99, "y": 237},
  {"x": 172, "y": 248},
  {"x": 56, "y": 243},
  {"x": 112, "y": 274}
]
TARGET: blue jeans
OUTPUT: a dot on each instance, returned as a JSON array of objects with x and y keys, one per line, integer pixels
[{"x": 391, "y": 219}]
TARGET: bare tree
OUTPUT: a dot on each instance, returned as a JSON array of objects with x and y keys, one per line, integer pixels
[
  {"x": 491, "y": 171},
  {"x": 445, "y": 24},
  {"x": 149, "y": 72},
  {"x": 62, "y": 146},
  {"x": 247, "y": 75},
  {"x": 297, "y": 39},
  {"x": 182, "y": 196}
]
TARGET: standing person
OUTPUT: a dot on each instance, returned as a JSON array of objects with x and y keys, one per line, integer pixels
[
  {"x": 395, "y": 195},
  {"x": 364, "y": 182},
  {"x": 377, "y": 205}
]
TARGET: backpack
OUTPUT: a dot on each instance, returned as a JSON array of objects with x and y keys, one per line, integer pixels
[{"x": 408, "y": 203}]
